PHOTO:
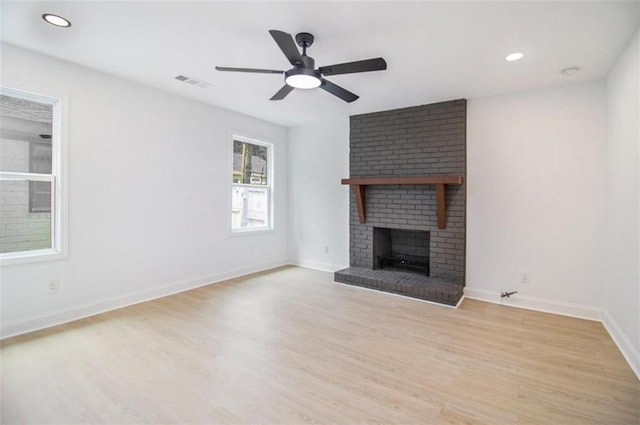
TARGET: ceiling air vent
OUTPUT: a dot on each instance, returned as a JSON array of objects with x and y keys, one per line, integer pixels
[{"x": 193, "y": 81}]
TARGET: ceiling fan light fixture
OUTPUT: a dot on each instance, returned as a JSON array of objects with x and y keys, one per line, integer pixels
[
  {"x": 302, "y": 78},
  {"x": 56, "y": 20}
]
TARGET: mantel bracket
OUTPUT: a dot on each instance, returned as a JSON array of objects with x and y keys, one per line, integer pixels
[{"x": 361, "y": 201}]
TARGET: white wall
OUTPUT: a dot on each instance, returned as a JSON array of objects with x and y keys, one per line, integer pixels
[
  {"x": 536, "y": 195},
  {"x": 319, "y": 204},
  {"x": 622, "y": 276},
  {"x": 149, "y": 176}
]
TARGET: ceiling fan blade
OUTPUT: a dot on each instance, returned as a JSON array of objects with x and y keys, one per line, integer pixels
[
  {"x": 254, "y": 70},
  {"x": 282, "y": 93},
  {"x": 377, "y": 64},
  {"x": 335, "y": 90},
  {"x": 287, "y": 45}
]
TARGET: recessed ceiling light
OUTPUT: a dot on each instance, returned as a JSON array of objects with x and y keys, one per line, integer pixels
[
  {"x": 572, "y": 70},
  {"x": 514, "y": 56},
  {"x": 56, "y": 20}
]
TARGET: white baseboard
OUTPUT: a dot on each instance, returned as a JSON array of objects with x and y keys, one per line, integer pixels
[
  {"x": 629, "y": 352},
  {"x": 537, "y": 304},
  {"x": 23, "y": 325},
  {"x": 316, "y": 265},
  {"x": 19, "y": 326}
]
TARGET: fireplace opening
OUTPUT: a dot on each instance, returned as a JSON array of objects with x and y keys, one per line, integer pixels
[{"x": 398, "y": 249}]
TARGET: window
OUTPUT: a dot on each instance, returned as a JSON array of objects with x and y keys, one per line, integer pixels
[
  {"x": 29, "y": 175},
  {"x": 251, "y": 188}
]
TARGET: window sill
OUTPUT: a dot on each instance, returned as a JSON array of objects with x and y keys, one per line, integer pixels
[
  {"x": 249, "y": 232},
  {"x": 10, "y": 259}
]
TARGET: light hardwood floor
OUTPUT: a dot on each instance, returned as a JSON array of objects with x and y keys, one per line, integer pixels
[{"x": 290, "y": 347}]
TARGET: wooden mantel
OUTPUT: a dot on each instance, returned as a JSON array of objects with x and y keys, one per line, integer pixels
[{"x": 360, "y": 184}]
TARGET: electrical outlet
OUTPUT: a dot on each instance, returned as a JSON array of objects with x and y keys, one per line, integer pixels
[
  {"x": 524, "y": 278},
  {"x": 325, "y": 249},
  {"x": 54, "y": 286}
]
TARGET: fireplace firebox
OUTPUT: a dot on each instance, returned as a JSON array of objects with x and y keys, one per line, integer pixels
[{"x": 397, "y": 249}]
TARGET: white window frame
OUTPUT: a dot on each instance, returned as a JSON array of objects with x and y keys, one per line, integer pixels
[
  {"x": 269, "y": 187},
  {"x": 57, "y": 178}
]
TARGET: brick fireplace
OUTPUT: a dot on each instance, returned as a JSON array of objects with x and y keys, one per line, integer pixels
[{"x": 407, "y": 170}]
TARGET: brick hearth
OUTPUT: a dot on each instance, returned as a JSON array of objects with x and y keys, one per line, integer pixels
[{"x": 409, "y": 284}]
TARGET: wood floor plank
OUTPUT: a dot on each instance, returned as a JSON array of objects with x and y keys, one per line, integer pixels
[{"x": 290, "y": 347}]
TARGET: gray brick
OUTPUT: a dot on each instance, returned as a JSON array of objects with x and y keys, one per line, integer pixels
[{"x": 420, "y": 140}]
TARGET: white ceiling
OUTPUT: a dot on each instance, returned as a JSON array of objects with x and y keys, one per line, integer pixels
[{"x": 435, "y": 50}]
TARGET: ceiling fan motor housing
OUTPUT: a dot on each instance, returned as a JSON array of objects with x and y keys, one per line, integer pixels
[
  {"x": 308, "y": 62},
  {"x": 300, "y": 72}
]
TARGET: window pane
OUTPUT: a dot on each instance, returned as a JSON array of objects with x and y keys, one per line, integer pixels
[
  {"x": 25, "y": 135},
  {"x": 249, "y": 163},
  {"x": 39, "y": 197},
  {"x": 20, "y": 229},
  {"x": 249, "y": 207}
]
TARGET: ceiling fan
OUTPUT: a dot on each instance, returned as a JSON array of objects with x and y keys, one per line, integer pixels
[{"x": 303, "y": 75}]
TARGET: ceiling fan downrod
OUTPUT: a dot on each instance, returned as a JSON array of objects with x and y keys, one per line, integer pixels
[{"x": 304, "y": 40}]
